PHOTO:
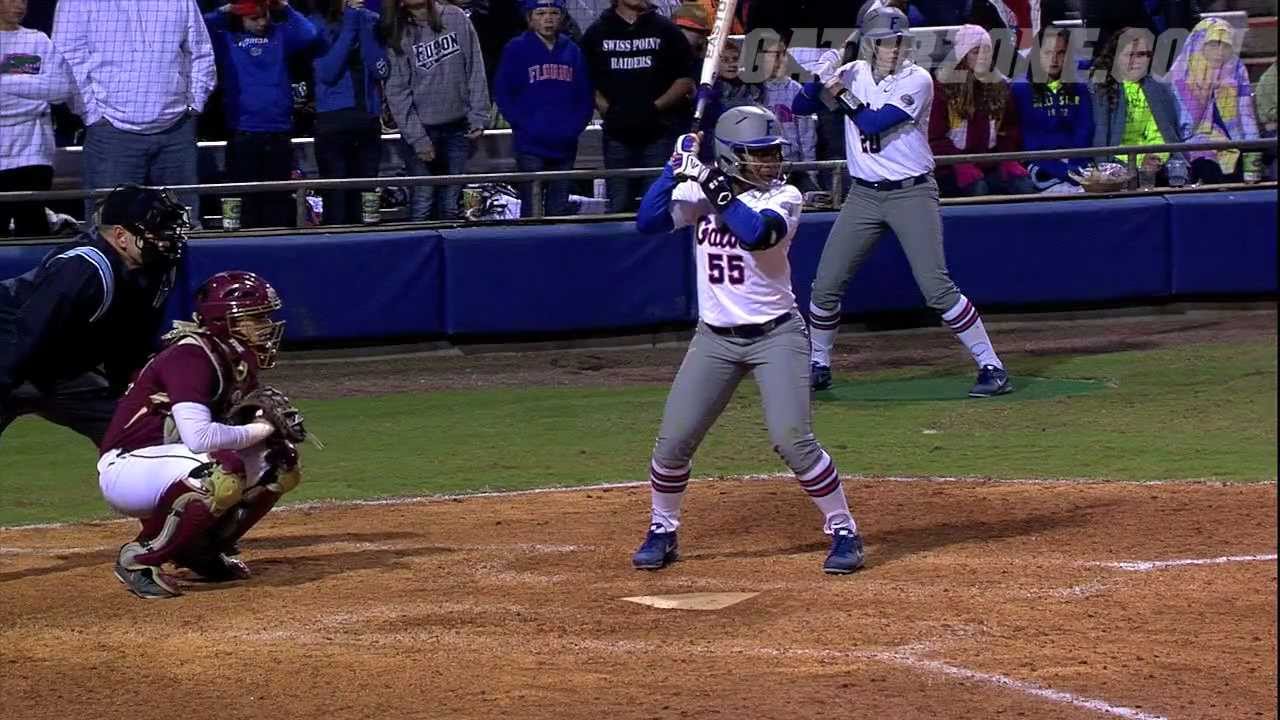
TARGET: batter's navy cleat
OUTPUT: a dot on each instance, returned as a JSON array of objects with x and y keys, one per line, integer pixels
[
  {"x": 846, "y": 552},
  {"x": 660, "y": 548},
  {"x": 992, "y": 381},
  {"x": 819, "y": 377},
  {"x": 147, "y": 582}
]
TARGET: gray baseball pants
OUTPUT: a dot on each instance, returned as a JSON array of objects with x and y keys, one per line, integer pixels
[
  {"x": 913, "y": 215},
  {"x": 708, "y": 377}
]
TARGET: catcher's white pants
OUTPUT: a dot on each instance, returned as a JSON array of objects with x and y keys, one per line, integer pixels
[{"x": 133, "y": 482}]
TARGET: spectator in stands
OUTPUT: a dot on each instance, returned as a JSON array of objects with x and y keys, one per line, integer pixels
[
  {"x": 1110, "y": 17},
  {"x": 794, "y": 20},
  {"x": 1130, "y": 106},
  {"x": 1052, "y": 114},
  {"x": 780, "y": 91},
  {"x": 142, "y": 72},
  {"x": 972, "y": 113},
  {"x": 729, "y": 91},
  {"x": 32, "y": 75},
  {"x": 253, "y": 40},
  {"x": 1266, "y": 100},
  {"x": 348, "y": 87},
  {"x": 543, "y": 90},
  {"x": 709, "y": 12},
  {"x": 438, "y": 95},
  {"x": 640, "y": 70},
  {"x": 694, "y": 22},
  {"x": 1215, "y": 99},
  {"x": 496, "y": 22}
]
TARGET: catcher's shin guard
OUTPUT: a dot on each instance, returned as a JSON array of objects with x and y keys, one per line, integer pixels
[
  {"x": 186, "y": 510},
  {"x": 282, "y": 475}
]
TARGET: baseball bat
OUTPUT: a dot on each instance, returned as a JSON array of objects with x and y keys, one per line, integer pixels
[{"x": 711, "y": 61}]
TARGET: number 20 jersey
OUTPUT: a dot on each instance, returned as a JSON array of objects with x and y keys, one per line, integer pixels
[
  {"x": 737, "y": 286},
  {"x": 904, "y": 151}
]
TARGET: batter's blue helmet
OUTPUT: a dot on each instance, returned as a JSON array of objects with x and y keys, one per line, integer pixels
[{"x": 743, "y": 131}]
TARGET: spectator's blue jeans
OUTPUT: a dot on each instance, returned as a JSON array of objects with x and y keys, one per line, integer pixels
[
  {"x": 113, "y": 157},
  {"x": 624, "y": 193},
  {"x": 555, "y": 194},
  {"x": 452, "y": 150}
]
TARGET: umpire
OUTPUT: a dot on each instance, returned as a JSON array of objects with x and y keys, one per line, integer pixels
[{"x": 75, "y": 329}]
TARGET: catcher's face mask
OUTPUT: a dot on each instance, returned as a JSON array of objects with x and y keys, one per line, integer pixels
[{"x": 260, "y": 333}]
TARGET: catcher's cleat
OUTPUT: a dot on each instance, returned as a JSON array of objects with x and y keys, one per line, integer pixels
[
  {"x": 660, "y": 548},
  {"x": 147, "y": 582},
  {"x": 846, "y": 553},
  {"x": 819, "y": 377},
  {"x": 216, "y": 567},
  {"x": 992, "y": 381}
]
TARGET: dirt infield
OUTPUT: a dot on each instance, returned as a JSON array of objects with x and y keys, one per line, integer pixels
[{"x": 980, "y": 600}]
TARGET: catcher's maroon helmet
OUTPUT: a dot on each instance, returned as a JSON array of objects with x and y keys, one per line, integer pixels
[{"x": 238, "y": 305}]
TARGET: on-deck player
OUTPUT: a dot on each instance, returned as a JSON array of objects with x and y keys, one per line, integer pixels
[
  {"x": 886, "y": 100},
  {"x": 744, "y": 218},
  {"x": 174, "y": 459}
]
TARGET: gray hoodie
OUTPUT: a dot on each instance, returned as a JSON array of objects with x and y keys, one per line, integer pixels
[{"x": 437, "y": 78}]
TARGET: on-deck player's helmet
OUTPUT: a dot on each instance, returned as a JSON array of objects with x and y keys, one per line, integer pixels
[
  {"x": 238, "y": 305},
  {"x": 880, "y": 24},
  {"x": 746, "y": 149},
  {"x": 152, "y": 215}
]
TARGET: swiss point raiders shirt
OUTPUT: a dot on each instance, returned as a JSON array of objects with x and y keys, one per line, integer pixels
[
  {"x": 737, "y": 286},
  {"x": 902, "y": 152},
  {"x": 633, "y": 64}
]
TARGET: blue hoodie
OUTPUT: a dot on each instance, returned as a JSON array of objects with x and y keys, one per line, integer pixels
[
  {"x": 1058, "y": 120},
  {"x": 254, "y": 71},
  {"x": 335, "y": 87},
  {"x": 544, "y": 94}
]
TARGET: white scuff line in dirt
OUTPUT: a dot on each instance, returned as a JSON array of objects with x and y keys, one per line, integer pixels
[
  {"x": 1026, "y": 688},
  {"x": 1149, "y": 565},
  {"x": 454, "y": 497},
  {"x": 54, "y": 551}
]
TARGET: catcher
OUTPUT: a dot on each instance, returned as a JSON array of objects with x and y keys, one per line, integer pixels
[{"x": 197, "y": 451}]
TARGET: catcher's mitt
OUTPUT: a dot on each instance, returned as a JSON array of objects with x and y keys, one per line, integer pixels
[{"x": 273, "y": 406}]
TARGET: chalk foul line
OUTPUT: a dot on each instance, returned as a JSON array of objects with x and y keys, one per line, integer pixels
[
  {"x": 1026, "y": 688},
  {"x": 1149, "y": 565}
]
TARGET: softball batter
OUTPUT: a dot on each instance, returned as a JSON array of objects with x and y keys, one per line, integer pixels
[
  {"x": 886, "y": 99},
  {"x": 744, "y": 218}
]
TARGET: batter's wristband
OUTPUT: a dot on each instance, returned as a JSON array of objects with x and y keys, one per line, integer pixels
[
  {"x": 718, "y": 190},
  {"x": 849, "y": 105}
]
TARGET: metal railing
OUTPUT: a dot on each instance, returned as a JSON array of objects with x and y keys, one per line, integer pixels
[{"x": 537, "y": 179}]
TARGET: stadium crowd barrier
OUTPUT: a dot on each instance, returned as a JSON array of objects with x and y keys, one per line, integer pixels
[{"x": 553, "y": 280}]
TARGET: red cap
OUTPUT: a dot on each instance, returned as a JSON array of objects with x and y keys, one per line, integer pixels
[
  {"x": 691, "y": 17},
  {"x": 245, "y": 8}
]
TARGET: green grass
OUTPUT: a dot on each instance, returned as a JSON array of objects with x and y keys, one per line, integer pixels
[{"x": 1205, "y": 411}]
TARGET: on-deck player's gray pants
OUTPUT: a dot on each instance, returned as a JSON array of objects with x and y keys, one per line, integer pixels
[
  {"x": 913, "y": 215},
  {"x": 711, "y": 371}
]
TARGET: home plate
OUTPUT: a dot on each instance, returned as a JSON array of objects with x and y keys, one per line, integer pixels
[{"x": 693, "y": 601}]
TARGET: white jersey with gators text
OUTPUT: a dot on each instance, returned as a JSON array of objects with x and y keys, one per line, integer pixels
[
  {"x": 737, "y": 286},
  {"x": 904, "y": 151}
]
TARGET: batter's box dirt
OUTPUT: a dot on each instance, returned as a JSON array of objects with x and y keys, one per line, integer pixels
[{"x": 980, "y": 600}]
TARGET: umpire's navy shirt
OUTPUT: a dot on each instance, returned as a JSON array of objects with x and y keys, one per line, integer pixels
[{"x": 81, "y": 308}]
